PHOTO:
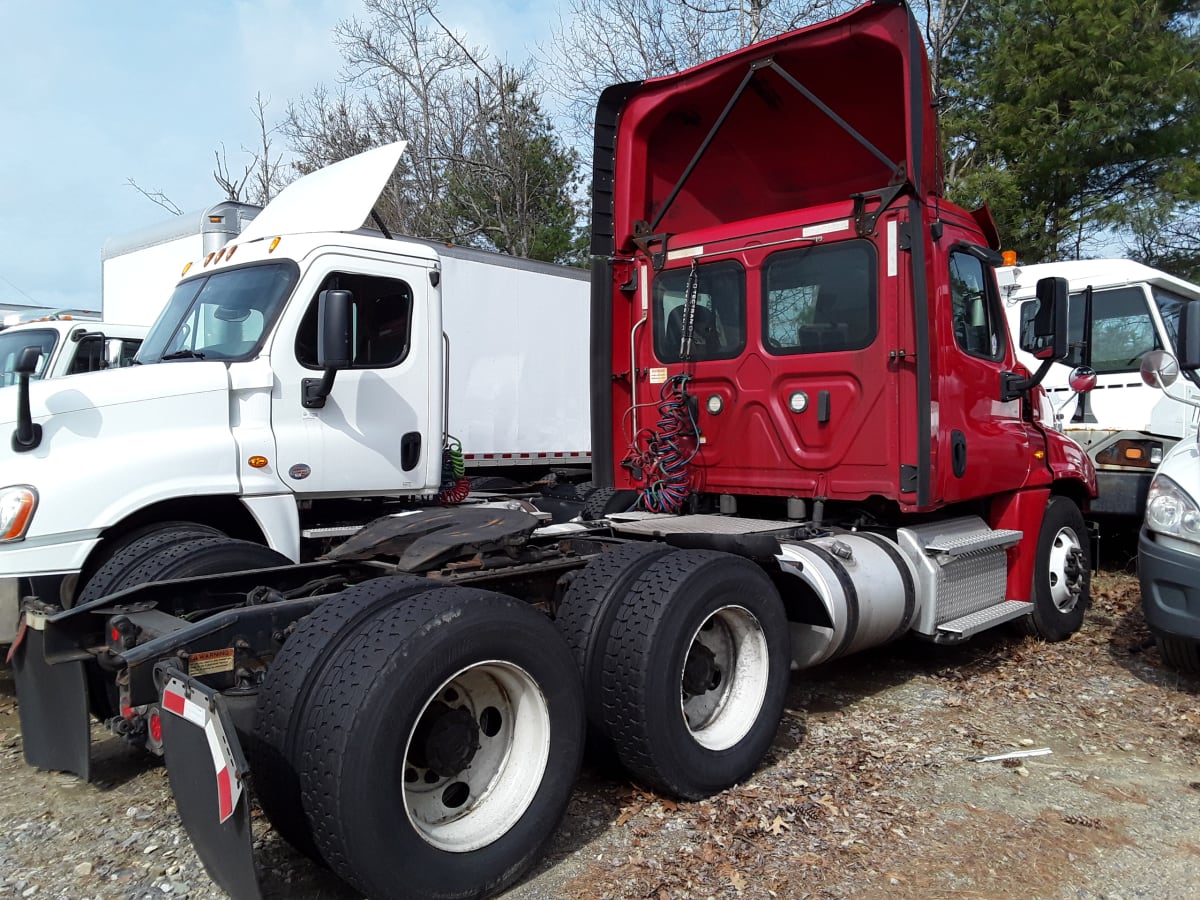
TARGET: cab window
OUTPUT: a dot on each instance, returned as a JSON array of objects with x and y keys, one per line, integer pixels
[
  {"x": 979, "y": 328},
  {"x": 718, "y": 321},
  {"x": 820, "y": 299},
  {"x": 382, "y": 320}
]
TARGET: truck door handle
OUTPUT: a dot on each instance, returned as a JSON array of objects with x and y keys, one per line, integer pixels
[
  {"x": 958, "y": 453},
  {"x": 410, "y": 450}
]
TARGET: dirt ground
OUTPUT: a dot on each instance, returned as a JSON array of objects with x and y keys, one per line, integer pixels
[{"x": 870, "y": 790}]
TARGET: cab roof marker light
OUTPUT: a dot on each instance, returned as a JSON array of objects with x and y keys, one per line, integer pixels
[
  {"x": 232, "y": 250},
  {"x": 185, "y": 270},
  {"x": 220, "y": 256},
  {"x": 274, "y": 244},
  {"x": 208, "y": 258}
]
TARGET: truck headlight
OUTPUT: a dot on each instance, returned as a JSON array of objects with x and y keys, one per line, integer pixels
[
  {"x": 1169, "y": 510},
  {"x": 17, "y": 504}
]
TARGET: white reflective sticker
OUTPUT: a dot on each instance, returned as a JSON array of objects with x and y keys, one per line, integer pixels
[
  {"x": 684, "y": 253},
  {"x": 825, "y": 228},
  {"x": 892, "y": 248}
]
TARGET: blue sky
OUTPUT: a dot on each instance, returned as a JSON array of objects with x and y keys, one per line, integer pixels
[{"x": 95, "y": 93}]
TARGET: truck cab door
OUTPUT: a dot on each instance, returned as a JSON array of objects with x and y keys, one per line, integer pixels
[
  {"x": 379, "y": 430},
  {"x": 981, "y": 443}
]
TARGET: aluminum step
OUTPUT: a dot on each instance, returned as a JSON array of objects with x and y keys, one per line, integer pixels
[
  {"x": 981, "y": 620},
  {"x": 973, "y": 542}
]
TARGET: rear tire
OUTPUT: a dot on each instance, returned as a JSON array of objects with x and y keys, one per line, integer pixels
[
  {"x": 585, "y": 619},
  {"x": 1180, "y": 654},
  {"x": 696, "y": 672},
  {"x": 284, "y": 699},
  {"x": 443, "y": 745},
  {"x": 602, "y": 501},
  {"x": 1062, "y": 573}
]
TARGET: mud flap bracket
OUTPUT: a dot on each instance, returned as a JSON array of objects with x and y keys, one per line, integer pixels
[{"x": 207, "y": 770}]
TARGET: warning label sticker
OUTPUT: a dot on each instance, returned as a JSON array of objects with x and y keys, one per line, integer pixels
[
  {"x": 658, "y": 376},
  {"x": 211, "y": 661}
]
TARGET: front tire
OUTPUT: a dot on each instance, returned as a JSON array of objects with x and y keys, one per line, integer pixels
[
  {"x": 696, "y": 672},
  {"x": 443, "y": 746},
  {"x": 1180, "y": 654},
  {"x": 1062, "y": 573}
]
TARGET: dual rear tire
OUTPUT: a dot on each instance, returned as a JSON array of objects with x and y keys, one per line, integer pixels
[
  {"x": 432, "y": 735},
  {"x": 685, "y": 656}
]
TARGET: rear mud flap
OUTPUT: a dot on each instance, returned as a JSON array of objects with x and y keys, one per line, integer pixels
[
  {"x": 208, "y": 770},
  {"x": 52, "y": 702}
]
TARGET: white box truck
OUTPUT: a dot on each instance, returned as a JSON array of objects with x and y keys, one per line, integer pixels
[
  {"x": 138, "y": 269},
  {"x": 230, "y": 422},
  {"x": 1125, "y": 426}
]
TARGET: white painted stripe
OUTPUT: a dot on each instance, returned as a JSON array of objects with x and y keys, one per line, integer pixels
[
  {"x": 214, "y": 746},
  {"x": 892, "y": 248},
  {"x": 685, "y": 253},
  {"x": 825, "y": 228}
]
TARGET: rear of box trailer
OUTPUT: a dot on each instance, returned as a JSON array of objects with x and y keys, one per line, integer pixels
[
  {"x": 518, "y": 333},
  {"x": 139, "y": 270}
]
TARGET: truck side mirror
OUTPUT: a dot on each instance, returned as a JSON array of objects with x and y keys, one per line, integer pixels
[
  {"x": 27, "y": 435},
  {"x": 335, "y": 336},
  {"x": 112, "y": 352},
  {"x": 1159, "y": 369},
  {"x": 335, "y": 345},
  {"x": 1045, "y": 335},
  {"x": 1188, "y": 339}
]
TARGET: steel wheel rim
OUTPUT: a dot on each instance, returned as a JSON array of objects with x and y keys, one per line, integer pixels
[
  {"x": 476, "y": 805},
  {"x": 1065, "y": 572},
  {"x": 730, "y": 647}
]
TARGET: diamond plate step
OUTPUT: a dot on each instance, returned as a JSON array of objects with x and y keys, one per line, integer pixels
[
  {"x": 960, "y": 544},
  {"x": 981, "y": 620}
]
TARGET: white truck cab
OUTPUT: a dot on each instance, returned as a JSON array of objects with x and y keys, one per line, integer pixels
[
  {"x": 68, "y": 346},
  {"x": 1125, "y": 426},
  {"x": 228, "y": 420}
]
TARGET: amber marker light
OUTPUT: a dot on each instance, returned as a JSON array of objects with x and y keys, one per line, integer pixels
[
  {"x": 220, "y": 256},
  {"x": 1009, "y": 257},
  {"x": 258, "y": 462},
  {"x": 274, "y": 244},
  {"x": 209, "y": 258},
  {"x": 1039, "y": 454},
  {"x": 185, "y": 270},
  {"x": 229, "y": 255}
]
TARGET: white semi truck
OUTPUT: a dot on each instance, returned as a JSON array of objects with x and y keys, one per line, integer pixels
[
  {"x": 1125, "y": 426},
  {"x": 68, "y": 346},
  {"x": 226, "y": 423}
]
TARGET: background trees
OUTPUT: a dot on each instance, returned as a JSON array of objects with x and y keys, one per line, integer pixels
[{"x": 1077, "y": 121}]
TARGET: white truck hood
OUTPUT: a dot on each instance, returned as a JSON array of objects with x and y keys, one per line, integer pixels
[
  {"x": 336, "y": 198},
  {"x": 100, "y": 390}
]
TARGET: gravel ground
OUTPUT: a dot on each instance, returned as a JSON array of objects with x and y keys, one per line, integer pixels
[{"x": 868, "y": 791}]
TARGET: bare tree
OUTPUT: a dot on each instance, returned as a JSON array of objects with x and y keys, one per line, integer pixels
[
  {"x": 597, "y": 43},
  {"x": 156, "y": 197},
  {"x": 231, "y": 185},
  {"x": 407, "y": 76}
]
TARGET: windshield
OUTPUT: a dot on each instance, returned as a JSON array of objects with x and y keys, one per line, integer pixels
[
  {"x": 1122, "y": 330},
  {"x": 13, "y": 342},
  {"x": 225, "y": 315}
]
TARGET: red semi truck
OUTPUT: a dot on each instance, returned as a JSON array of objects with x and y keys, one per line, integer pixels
[{"x": 814, "y": 439}]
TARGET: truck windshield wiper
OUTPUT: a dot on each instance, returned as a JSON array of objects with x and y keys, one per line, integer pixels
[{"x": 182, "y": 354}]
